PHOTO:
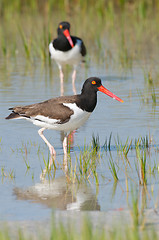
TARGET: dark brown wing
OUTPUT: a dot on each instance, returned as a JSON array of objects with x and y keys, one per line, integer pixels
[{"x": 52, "y": 108}]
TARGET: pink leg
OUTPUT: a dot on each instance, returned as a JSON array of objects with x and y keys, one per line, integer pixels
[
  {"x": 73, "y": 81},
  {"x": 65, "y": 152},
  {"x": 51, "y": 148},
  {"x": 61, "y": 80},
  {"x": 65, "y": 145}
]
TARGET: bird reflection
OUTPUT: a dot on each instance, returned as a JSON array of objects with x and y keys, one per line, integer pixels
[{"x": 58, "y": 194}]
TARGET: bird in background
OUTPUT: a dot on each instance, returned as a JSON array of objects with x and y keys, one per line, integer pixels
[
  {"x": 64, "y": 113},
  {"x": 67, "y": 49}
]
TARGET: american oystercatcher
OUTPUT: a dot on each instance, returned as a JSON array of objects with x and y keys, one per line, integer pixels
[
  {"x": 65, "y": 113},
  {"x": 66, "y": 49}
]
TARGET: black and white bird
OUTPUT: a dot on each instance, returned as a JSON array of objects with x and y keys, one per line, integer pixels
[
  {"x": 65, "y": 113},
  {"x": 66, "y": 49}
]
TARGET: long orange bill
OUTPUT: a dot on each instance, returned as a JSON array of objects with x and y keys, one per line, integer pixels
[
  {"x": 110, "y": 94},
  {"x": 67, "y": 35}
]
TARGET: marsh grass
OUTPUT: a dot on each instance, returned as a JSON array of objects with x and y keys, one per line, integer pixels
[
  {"x": 143, "y": 96},
  {"x": 115, "y": 22},
  {"x": 141, "y": 147},
  {"x": 96, "y": 142},
  {"x": 71, "y": 174},
  {"x": 45, "y": 161},
  {"x": 85, "y": 231},
  {"x": 141, "y": 8},
  {"x": 125, "y": 55},
  {"x": 25, "y": 156},
  {"x": 107, "y": 143},
  {"x": 120, "y": 47},
  {"x": 113, "y": 168},
  {"x": 141, "y": 167},
  {"x": 153, "y": 95},
  {"x": 137, "y": 207},
  {"x": 7, "y": 174},
  {"x": 47, "y": 169},
  {"x": 123, "y": 149},
  {"x": 88, "y": 161},
  {"x": 85, "y": 167},
  {"x": 148, "y": 96},
  {"x": 148, "y": 78},
  {"x": 3, "y": 44},
  {"x": 26, "y": 43}
]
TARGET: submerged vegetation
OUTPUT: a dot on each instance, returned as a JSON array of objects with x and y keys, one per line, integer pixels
[
  {"x": 85, "y": 167},
  {"x": 89, "y": 167},
  {"x": 5, "y": 174},
  {"x": 88, "y": 164}
]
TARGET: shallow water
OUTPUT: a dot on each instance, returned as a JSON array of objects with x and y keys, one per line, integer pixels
[{"x": 26, "y": 197}]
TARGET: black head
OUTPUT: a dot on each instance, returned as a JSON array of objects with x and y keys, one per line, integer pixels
[
  {"x": 64, "y": 32},
  {"x": 62, "y": 27},
  {"x": 88, "y": 96},
  {"x": 91, "y": 84}
]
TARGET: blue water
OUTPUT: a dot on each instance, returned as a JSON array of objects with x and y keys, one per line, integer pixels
[{"x": 26, "y": 197}]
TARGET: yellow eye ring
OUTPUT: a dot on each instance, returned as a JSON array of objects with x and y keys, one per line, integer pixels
[
  {"x": 60, "y": 26},
  {"x": 93, "y": 82}
]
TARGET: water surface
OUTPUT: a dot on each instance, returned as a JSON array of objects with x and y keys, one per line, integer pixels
[{"x": 26, "y": 196}]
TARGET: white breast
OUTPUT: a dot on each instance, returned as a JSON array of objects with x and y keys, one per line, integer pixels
[
  {"x": 78, "y": 118},
  {"x": 73, "y": 56}
]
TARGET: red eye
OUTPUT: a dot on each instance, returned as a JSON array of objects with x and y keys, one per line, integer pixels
[{"x": 93, "y": 82}]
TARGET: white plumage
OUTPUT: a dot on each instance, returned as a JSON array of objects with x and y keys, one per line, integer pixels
[
  {"x": 77, "y": 119},
  {"x": 73, "y": 56}
]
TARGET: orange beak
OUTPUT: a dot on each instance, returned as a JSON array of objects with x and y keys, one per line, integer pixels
[
  {"x": 67, "y": 35},
  {"x": 110, "y": 94}
]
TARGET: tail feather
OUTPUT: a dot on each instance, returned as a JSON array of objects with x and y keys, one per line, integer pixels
[{"x": 13, "y": 115}]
